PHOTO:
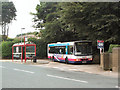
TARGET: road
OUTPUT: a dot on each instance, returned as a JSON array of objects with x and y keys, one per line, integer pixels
[{"x": 16, "y": 75}]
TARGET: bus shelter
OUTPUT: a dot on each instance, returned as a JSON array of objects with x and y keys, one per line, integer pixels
[{"x": 23, "y": 51}]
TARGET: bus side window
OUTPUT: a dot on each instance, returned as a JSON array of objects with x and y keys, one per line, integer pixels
[
  {"x": 70, "y": 50},
  {"x": 62, "y": 50},
  {"x": 52, "y": 50}
]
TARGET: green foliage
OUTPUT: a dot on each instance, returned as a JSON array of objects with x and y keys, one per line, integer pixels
[
  {"x": 0, "y": 13},
  {"x": 6, "y": 49},
  {"x": 35, "y": 33},
  {"x": 41, "y": 47},
  {"x": 17, "y": 40},
  {"x": 112, "y": 46},
  {"x": 70, "y": 21},
  {"x": 8, "y": 14},
  {"x": 10, "y": 39},
  {"x": 20, "y": 34},
  {"x": 4, "y": 37}
]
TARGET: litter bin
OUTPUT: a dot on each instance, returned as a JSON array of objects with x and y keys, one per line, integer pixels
[{"x": 34, "y": 59}]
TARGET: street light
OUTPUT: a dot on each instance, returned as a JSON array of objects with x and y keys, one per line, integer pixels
[{"x": 21, "y": 34}]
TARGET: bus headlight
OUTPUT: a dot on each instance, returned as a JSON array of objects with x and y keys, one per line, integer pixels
[
  {"x": 90, "y": 58},
  {"x": 76, "y": 59}
]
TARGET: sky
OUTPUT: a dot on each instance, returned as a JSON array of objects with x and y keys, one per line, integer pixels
[{"x": 23, "y": 18}]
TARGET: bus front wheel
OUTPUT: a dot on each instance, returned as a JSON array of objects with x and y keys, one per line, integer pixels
[{"x": 66, "y": 60}]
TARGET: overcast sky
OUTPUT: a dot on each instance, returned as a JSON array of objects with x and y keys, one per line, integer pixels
[{"x": 24, "y": 19}]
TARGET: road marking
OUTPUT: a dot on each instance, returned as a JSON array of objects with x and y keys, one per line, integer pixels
[
  {"x": 88, "y": 72},
  {"x": 117, "y": 87},
  {"x": 56, "y": 67},
  {"x": 23, "y": 70},
  {"x": 2, "y": 67},
  {"x": 67, "y": 78},
  {"x": 73, "y": 69},
  {"x": 61, "y": 69}
]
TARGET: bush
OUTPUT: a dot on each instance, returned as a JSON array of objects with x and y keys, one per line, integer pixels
[
  {"x": 6, "y": 49},
  {"x": 41, "y": 47},
  {"x": 112, "y": 46}
]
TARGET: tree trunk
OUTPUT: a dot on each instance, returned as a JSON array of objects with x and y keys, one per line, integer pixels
[
  {"x": 7, "y": 30},
  {"x": 4, "y": 29}
]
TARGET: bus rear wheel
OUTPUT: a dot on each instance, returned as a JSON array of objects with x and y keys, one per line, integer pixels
[
  {"x": 66, "y": 60},
  {"x": 52, "y": 58}
]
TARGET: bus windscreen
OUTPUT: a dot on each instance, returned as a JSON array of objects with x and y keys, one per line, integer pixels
[{"x": 83, "y": 48}]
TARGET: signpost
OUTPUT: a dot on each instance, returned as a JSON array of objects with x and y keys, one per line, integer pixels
[
  {"x": 25, "y": 39},
  {"x": 100, "y": 45}
]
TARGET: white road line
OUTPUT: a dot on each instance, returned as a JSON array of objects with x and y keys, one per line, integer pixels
[
  {"x": 73, "y": 69},
  {"x": 61, "y": 69},
  {"x": 89, "y": 72},
  {"x": 2, "y": 67},
  {"x": 56, "y": 67},
  {"x": 117, "y": 87},
  {"x": 67, "y": 78},
  {"x": 23, "y": 70}
]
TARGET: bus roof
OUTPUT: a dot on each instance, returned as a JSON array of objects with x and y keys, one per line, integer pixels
[{"x": 64, "y": 43}]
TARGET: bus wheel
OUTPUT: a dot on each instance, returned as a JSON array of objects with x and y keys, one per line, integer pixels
[
  {"x": 53, "y": 58},
  {"x": 50, "y": 58},
  {"x": 66, "y": 60}
]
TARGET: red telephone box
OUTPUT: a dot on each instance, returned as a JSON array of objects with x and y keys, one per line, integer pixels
[{"x": 23, "y": 51}]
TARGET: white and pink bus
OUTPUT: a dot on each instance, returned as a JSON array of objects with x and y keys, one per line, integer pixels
[{"x": 71, "y": 52}]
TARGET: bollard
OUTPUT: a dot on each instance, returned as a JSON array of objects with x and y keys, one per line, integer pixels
[{"x": 34, "y": 59}]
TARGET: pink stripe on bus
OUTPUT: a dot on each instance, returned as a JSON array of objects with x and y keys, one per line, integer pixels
[{"x": 71, "y": 59}]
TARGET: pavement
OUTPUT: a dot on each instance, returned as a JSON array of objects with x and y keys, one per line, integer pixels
[{"x": 88, "y": 68}]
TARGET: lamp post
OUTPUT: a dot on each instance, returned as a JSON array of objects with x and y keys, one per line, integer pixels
[
  {"x": 21, "y": 34},
  {"x": 21, "y": 46}
]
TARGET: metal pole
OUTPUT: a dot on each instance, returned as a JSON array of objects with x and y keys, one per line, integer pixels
[
  {"x": 25, "y": 53},
  {"x": 12, "y": 52},
  {"x": 35, "y": 50},
  {"x": 21, "y": 34},
  {"x": 100, "y": 50},
  {"x": 24, "y": 40}
]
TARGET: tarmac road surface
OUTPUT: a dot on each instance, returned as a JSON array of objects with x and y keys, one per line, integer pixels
[{"x": 16, "y": 75}]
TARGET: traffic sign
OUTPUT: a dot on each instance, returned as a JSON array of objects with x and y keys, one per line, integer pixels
[{"x": 100, "y": 44}]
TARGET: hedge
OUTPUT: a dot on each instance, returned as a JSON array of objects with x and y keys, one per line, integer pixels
[
  {"x": 41, "y": 47},
  {"x": 6, "y": 49},
  {"x": 112, "y": 46}
]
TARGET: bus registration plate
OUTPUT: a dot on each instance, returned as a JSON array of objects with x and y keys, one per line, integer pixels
[{"x": 84, "y": 62}]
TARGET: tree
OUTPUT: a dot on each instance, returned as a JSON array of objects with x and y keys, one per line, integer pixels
[
  {"x": 41, "y": 47},
  {"x": 8, "y": 14},
  {"x": 79, "y": 21},
  {"x": 0, "y": 11}
]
